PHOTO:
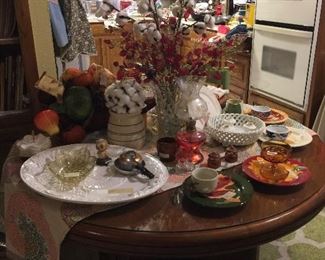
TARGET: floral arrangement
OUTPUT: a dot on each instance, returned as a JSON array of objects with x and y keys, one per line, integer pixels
[
  {"x": 154, "y": 45},
  {"x": 153, "y": 50}
]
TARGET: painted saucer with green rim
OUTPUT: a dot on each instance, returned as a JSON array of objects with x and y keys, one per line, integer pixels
[{"x": 239, "y": 189}]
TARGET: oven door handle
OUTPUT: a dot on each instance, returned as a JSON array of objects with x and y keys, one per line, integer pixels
[{"x": 285, "y": 31}]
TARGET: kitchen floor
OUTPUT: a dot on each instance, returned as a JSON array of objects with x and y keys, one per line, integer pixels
[{"x": 306, "y": 243}]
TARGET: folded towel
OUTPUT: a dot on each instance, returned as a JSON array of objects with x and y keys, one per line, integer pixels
[{"x": 220, "y": 92}]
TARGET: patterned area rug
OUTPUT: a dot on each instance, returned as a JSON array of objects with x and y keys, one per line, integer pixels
[{"x": 306, "y": 243}]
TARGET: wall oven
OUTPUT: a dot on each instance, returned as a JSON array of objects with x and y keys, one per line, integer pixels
[
  {"x": 283, "y": 47},
  {"x": 280, "y": 62}
]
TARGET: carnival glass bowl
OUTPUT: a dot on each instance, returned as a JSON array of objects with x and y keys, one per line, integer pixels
[{"x": 71, "y": 165}]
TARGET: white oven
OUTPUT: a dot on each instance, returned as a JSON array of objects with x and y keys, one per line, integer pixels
[
  {"x": 297, "y": 12},
  {"x": 280, "y": 63}
]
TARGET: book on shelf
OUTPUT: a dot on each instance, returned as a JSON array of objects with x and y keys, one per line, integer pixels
[
  {"x": 12, "y": 83},
  {"x": 8, "y": 23}
]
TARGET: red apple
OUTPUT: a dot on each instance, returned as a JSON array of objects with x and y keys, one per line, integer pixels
[{"x": 76, "y": 134}]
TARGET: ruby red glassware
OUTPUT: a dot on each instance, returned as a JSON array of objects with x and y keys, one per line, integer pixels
[{"x": 189, "y": 144}]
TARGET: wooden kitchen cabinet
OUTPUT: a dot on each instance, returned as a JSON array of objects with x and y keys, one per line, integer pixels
[
  {"x": 239, "y": 76},
  {"x": 259, "y": 99},
  {"x": 105, "y": 55}
]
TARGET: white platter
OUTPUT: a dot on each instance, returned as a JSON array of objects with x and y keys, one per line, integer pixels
[
  {"x": 297, "y": 137},
  {"x": 214, "y": 107},
  {"x": 104, "y": 185}
]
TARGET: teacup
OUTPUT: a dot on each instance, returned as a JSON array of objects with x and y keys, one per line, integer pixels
[
  {"x": 277, "y": 132},
  {"x": 261, "y": 112},
  {"x": 204, "y": 179}
]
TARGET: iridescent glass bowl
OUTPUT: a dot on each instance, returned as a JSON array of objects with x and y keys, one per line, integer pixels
[{"x": 71, "y": 165}]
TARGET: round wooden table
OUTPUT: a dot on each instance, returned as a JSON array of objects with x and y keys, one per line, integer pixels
[{"x": 156, "y": 227}]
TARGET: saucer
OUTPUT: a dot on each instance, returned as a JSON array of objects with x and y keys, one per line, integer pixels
[
  {"x": 296, "y": 137},
  {"x": 231, "y": 192}
]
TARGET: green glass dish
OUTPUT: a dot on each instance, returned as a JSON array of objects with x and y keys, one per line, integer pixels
[{"x": 242, "y": 187}]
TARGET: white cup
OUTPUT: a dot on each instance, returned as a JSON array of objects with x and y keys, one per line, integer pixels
[{"x": 205, "y": 179}]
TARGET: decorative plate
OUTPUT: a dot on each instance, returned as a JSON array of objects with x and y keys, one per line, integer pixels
[
  {"x": 298, "y": 172},
  {"x": 103, "y": 185},
  {"x": 296, "y": 138},
  {"x": 276, "y": 117},
  {"x": 230, "y": 192},
  {"x": 213, "y": 104}
]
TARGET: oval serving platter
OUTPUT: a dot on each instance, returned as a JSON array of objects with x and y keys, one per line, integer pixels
[{"x": 103, "y": 185}]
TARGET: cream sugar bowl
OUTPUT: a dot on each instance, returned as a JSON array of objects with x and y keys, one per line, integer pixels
[{"x": 261, "y": 112}]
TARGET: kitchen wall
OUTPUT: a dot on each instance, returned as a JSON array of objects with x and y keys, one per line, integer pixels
[{"x": 42, "y": 35}]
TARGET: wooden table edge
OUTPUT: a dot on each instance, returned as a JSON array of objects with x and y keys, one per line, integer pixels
[{"x": 199, "y": 243}]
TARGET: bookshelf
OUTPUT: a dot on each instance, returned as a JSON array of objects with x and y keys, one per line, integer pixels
[
  {"x": 9, "y": 41},
  {"x": 15, "y": 73}
]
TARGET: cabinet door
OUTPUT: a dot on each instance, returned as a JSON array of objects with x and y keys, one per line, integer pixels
[
  {"x": 106, "y": 55},
  {"x": 110, "y": 55},
  {"x": 98, "y": 58},
  {"x": 239, "y": 76}
]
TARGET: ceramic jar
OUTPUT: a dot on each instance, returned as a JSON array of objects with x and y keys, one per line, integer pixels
[{"x": 126, "y": 130}]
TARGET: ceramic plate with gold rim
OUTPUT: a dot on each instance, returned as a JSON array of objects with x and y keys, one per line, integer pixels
[
  {"x": 213, "y": 104},
  {"x": 103, "y": 185}
]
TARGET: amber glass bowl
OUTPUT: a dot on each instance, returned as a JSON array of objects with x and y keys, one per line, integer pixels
[{"x": 275, "y": 152}]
